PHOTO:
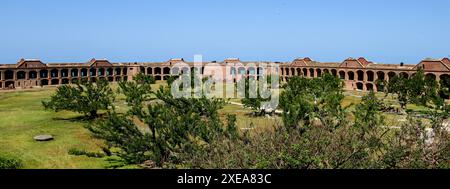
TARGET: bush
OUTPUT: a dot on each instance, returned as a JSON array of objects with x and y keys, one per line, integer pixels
[
  {"x": 9, "y": 163},
  {"x": 78, "y": 152}
]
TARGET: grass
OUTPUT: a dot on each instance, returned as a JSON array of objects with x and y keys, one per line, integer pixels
[{"x": 23, "y": 117}]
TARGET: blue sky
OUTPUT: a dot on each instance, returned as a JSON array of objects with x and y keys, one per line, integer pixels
[{"x": 389, "y": 31}]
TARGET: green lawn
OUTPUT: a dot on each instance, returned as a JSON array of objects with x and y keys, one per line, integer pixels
[{"x": 23, "y": 117}]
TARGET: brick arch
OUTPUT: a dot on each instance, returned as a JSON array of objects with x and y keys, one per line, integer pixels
[
  {"x": 360, "y": 75},
  {"x": 381, "y": 76},
  {"x": 21, "y": 74},
  {"x": 64, "y": 73},
  {"x": 286, "y": 71},
  {"x": 334, "y": 72},
  {"x": 360, "y": 86},
  {"x": 149, "y": 70},
  {"x": 9, "y": 74},
  {"x": 430, "y": 76},
  {"x": 370, "y": 75},
  {"x": 370, "y": 87},
  {"x": 299, "y": 72},
  {"x": 351, "y": 75},
  {"x": 158, "y": 70},
  {"x": 43, "y": 73},
  {"x": 305, "y": 72},
  {"x": 342, "y": 75},
  {"x": 311, "y": 73},
  {"x": 292, "y": 71},
  {"x": 404, "y": 74},
  {"x": 391, "y": 75},
  {"x": 319, "y": 72},
  {"x": 32, "y": 74}
]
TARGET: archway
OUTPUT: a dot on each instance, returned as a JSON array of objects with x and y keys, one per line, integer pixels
[
  {"x": 319, "y": 72},
  {"x": 64, "y": 73},
  {"x": 342, "y": 75},
  {"x": 9, "y": 85},
  {"x": 251, "y": 71},
  {"x": 293, "y": 71},
  {"x": 241, "y": 71},
  {"x": 299, "y": 72},
  {"x": 380, "y": 76},
  {"x": 430, "y": 76},
  {"x": 55, "y": 82},
  {"x": 118, "y": 71},
  {"x": 118, "y": 78},
  {"x": 101, "y": 72},
  {"x": 359, "y": 86},
  {"x": 149, "y": 70},
  {"x": 370, "y": 76},
  {"x": 21, "y": 75},
  {"x": 351, "y": 76},
  {"x": 287, "y": 71},
  {"x": 404, "y": 75},
  {"x": 305, "y": 72},
  {"x": 360, "y": 75},
  {"x": 125, "y": 71},
  {"x": 311, "y": 72},
  {"x": 93, "y": 72},
  {"x": 32, "y": 74},
  {"x": 43, "y": 73},
  {"x": 9, "y": 74},
  {"x": 166, "y": 70},
  {"x": 391, "y": 75},
  {"x": 334, "y": 72},
  {"x": 65, "y": 81},
  {"x": 158, "y": 70},
  {"x": 109, "y": 72},
  {"x": 158, "y": 78},
  {"x": 369, "y": 87},
  {"x": 74, "y": 72}
]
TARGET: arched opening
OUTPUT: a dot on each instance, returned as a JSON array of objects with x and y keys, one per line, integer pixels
[
  {"x": 158, "y": 70},
  {"x": 305, "y": 72},
  {"x": 64, "y": 73},
  {"x": 9, "y": 74},
  {"x": 319, "y": 72},
  {"x": 299, "y": 72},
  {"x": 43, "y": 74},
  {"x": 65, "y": 81},
  {"x": 380, "y": 76},
  {"x": 32, "y": 74},
  {"x": 351, "y": 76},
  {"x": 293, "y": 71},
  {"x": 158, "y": 77},
  {"x": 166, "y": 70},
  {"x": 360, "y": 75},
  {"x": 9, "y": 84},
  {"x": 125, "y": 71},
  {"x": 118, "y": 71},
  {"x": 282, "y": 71},
  {"x": 93, "y": 72},
  {"x": 287, "y": 71},
  {"x": 311, "y": 72},
  {"x": 118, "y": 78},
  {"x": 370, "y": 76},
  {"x": 326, "y": 71},
  {"x": 404, "y": 75},
  {"x": 391, "y": 75},
  {"x": 55, "y": 82},
  {"x": 430, "y": 76},
  {"x": 1, "y": 85},
  {"x": 334, "y": 72},
  {"x": 109, "y": 72},
  {"x": 101, "y": 72},
  {"x": 20, "y": 75},
  {"x": 369, "y": 87},
  {"x": 149, "y": 70},
  {"x": 74, "y": 72},
  {"x": 232, "y": 71},
  {"x": 84, "y": 72},
  {"x": 44, "y": 82},
  {"x": 342, "y": 75},
  {"x": 164, "y": 78},
  {"x": 359, "y": 86},
  {"x": 110, "y": 79},
  {"x": 142, "y": 70}
]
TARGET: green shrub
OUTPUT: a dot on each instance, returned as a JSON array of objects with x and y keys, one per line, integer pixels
[
  {"x": 9, "y": 163},
  {"x": 78, "y": 152}
]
